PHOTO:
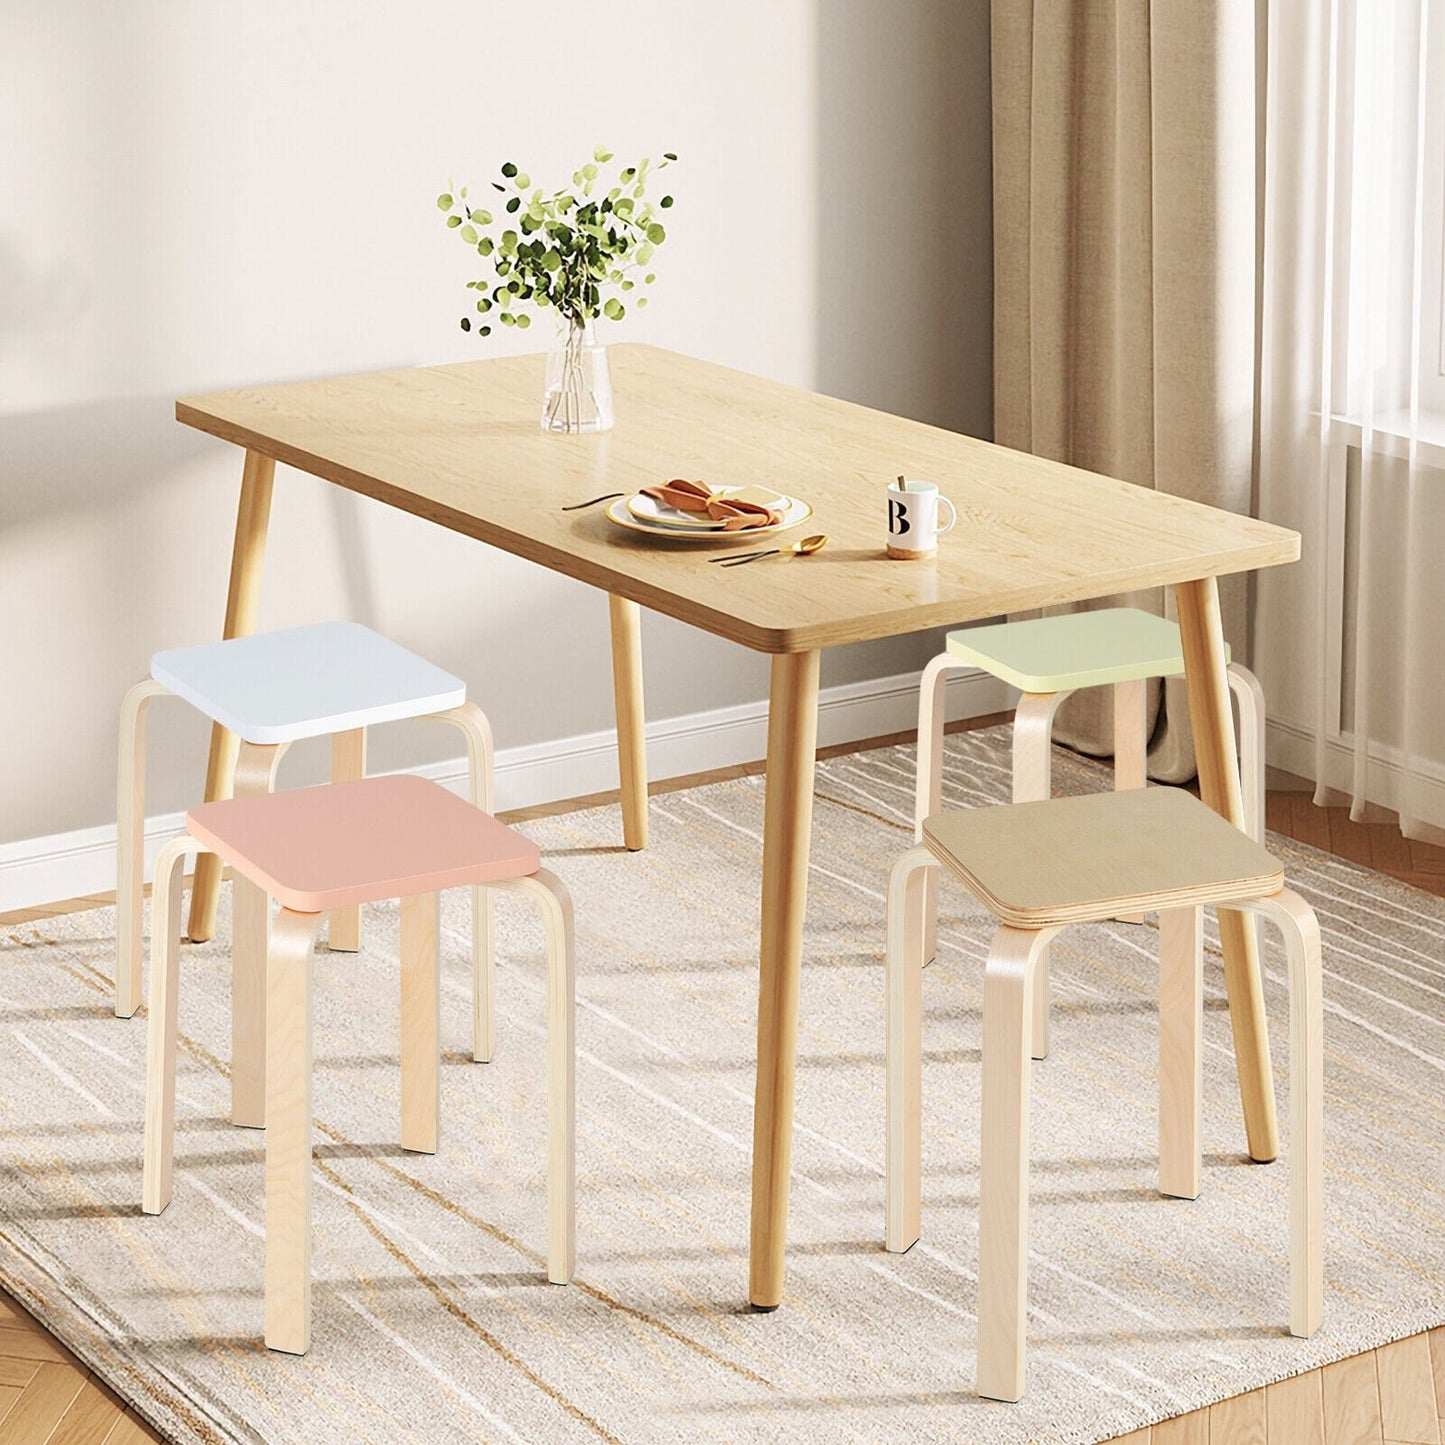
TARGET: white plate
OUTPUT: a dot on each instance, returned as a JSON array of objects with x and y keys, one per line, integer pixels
[
  {"x": 649, "y": 509},
  {"x": 794, "y": 513}
]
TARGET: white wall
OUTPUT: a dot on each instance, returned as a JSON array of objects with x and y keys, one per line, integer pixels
[{"x": 196, "y": 196}]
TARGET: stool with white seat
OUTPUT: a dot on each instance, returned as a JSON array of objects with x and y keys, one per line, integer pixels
[
  {"x": 316, "y": 850},
  {"x": 1047, "y": 658},
  {"x": 1039, "y": 867},
  {"x": 273, "y": 689}
]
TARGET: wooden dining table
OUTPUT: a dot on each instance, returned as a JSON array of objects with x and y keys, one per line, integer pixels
[{"x": 461, "y": 445}]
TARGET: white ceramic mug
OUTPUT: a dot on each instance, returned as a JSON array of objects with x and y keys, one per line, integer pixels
[{"x": 913, "y": 529}]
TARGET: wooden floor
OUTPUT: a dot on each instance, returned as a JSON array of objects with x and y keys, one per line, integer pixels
[{"x": 1391, "y": 1396}]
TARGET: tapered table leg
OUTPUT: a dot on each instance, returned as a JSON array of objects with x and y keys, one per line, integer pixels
[
  {"x": 631, "y": 723},
  {"x": 1204, "y": 671},
  {"x": 787, "y": 824},
  {"x": 252, "y": 517}
]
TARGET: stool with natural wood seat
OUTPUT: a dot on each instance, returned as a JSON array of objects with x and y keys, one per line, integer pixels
[
  {"x": 315, "y": 850},
  {"x": 1047, "y": 659},
  {"x": 1039, "y": 867},
  {"x": 272, "y": 689}
]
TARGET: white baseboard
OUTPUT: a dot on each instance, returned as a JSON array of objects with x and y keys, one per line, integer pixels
[
  {"x": 71, "y": 865},
  {"x": 1292, "y": 747}
]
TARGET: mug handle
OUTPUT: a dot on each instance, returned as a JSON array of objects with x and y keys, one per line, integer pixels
[{"x": 952, "y": 514}]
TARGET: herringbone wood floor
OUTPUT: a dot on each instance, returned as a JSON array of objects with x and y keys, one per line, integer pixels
[{"x": 1391, "y": 1396}]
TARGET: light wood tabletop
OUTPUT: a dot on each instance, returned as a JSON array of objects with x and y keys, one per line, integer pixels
[{"x": 462, "y": 446}]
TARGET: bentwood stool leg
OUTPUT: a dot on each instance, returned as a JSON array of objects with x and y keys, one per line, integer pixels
[
  {"x": 906, "y": 884},
  {"x": 348, "y": 764},
  {"x": 1003, "y": 1195},
  {"x": 1181, "y": 1051},
  {"x": 420, "y": 1023},
  {"x": 1301, "y": 931},
  {"x": 160, "y": 1115},
  {"x": 555, "y": 905},
  {"x": 1033, "y": 752},
  {"x": 1249, "y": 695},
  {"x": 928, "y": 781},
  {"x": 250, "y": 941},
  {"x": 1131, "y": 717},
  {"x": 477, "y": 731},
  {"x": 130, "y": 845},
  {"x": 288, "y": 1131}
]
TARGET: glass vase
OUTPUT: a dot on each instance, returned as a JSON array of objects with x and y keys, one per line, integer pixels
[{"x": 578, "y": 396}]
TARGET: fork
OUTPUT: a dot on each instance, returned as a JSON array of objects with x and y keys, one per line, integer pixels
[{"x": 607, "y": 497}]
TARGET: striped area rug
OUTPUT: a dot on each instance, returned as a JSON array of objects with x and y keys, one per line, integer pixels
[{"x": 433, "y": 1320}]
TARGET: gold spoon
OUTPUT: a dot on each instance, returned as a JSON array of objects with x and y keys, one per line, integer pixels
[{"x": 803, "y": 548}]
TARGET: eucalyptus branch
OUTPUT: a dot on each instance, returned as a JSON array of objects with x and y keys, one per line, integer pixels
[{"x": 566, "y": 251}]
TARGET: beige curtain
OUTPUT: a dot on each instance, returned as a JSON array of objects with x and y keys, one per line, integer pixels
[{"x": 1124, "y": 268}]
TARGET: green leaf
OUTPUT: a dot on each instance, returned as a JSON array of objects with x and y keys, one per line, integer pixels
[
  {"x": 482, "y": 218},
  {"x": 484, "y": 246},
  {"x": 641, "y": 301},
  {"x": 508, "y": 319},
  {"x": 669, "y": 156},
  {"x": 650, "y": 278},
  {"x": 454, "y": 221},
  {"x": 601, "y": 153},
  {"x": 522, "y": 181},
  {"x": 614, "y": 309},
  {"x": 469, "y": 235},
  {"x": 523, "y": 322},
  {"x": 552, "y": 260},
  {"x": 665, "y": 202},
  {"x": 644, "y": 254},
  {"x": 509, "y": 242},
  {"x": 466, "y": 323},
  {"x": 463, "y": 193},
  {"x": 589, "y": 171},
  {"x": 628, "y": 285},
  {"x": 509, "y": 170},
  {"x": 656, "y": 234},
  {"x": 484, "y": 305},
  {"x": 513, "y": 205},
  {"x": 444, "y": 202}
]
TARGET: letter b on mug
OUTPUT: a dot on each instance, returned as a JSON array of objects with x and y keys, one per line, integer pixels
[{"x": 913, "y": 529}]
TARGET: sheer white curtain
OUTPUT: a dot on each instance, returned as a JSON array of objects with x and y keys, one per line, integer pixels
[{"x": 1351, "y": 643}]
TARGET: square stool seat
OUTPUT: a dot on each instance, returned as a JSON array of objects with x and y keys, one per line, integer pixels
[
  {"x": 395, "y": 836},
  {"x": 1072, "y": 860},
  {"x": 306, "y": 682},
  {"x": 1075, "y": 650}
]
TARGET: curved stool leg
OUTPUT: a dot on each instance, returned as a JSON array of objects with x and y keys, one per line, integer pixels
[
  {"x": 288, "y": 1131},
  {"x": 256, "y": 766},
  {"x": 906, "y": 884},
  {"x": 928, "y": 783},
  {"x": 1131, "y": 717},
  {"x": 1003, "y": 1186},
  {"x": 1301, "y": 931},
  {"x": 1033, "y": 782},
  {"x": 1250, "y": 697},
  {"x": 478, "y": 732},
  {"x": 130, "y": 844},
  {"x": 160, "y": 1116},
  {"x": 1181, "y": 1051},
  {"x": 348, "y": 765},
  {"x": 555, "y": 903},
  {"x": 421, "y": 1001}
]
